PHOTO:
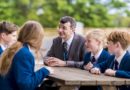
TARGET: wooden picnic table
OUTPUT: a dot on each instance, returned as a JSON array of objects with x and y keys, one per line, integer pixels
[{"x": 70, "y": 78}]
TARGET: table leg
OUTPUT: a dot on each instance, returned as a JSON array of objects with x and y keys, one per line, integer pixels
[{"x": 109, "y": 88}]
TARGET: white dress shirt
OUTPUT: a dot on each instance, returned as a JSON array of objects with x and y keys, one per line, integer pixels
[{"x": 69, "y": 41}]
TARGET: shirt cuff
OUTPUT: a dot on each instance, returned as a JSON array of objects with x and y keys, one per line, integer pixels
[{"x": 78, "y": 64}]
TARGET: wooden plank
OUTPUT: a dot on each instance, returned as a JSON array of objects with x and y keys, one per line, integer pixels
[
  {"x": 74, "y": 76},
  {"x": 82, "y": 77},
  {"x": 107, "y": 80}
]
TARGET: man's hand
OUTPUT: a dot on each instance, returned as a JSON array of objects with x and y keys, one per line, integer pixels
[
  {"x": 46, "y": 60},
  {"x": 52, "y": 61},
  {"x": 110, "y": 72},
  {"x": 88, "y": 66},
  {"x": 95, "y": 70}
]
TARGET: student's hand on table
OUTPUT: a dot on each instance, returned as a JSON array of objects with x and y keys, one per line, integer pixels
[
  {"x": 52, "y": 61},
  {"x": 95, "y": 70},
  {"x": 88, "y": 66},
  {"x": 110, "y": 72}
]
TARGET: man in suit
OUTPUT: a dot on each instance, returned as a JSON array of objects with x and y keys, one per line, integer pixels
[
  {"x": 68, "y": 48},
  {"x": 118, "y": 64}
]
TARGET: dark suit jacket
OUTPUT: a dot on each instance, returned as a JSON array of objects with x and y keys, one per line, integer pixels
[
  {"x": 103, "y": 56},
  {"x": 76, "y": 50},
  {"x": 124, "y": 67}
]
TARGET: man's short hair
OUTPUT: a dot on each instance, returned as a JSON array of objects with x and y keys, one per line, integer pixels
[{"x": 66, "y": 19}]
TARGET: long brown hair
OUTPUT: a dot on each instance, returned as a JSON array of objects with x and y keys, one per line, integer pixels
[{"x": 31, "y": 33}]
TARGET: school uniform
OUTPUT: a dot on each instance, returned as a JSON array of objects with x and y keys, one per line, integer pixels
[
  {"x": 101, "y": 56},
  {"x": 21, "y": 75},
  {"x": 76, "y": 50},
  {"x": 123, "y": 70}
]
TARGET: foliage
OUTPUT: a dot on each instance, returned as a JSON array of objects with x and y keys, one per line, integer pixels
[{"x": 93, "y": 13}]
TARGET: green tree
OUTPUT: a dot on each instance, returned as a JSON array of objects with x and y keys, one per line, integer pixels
[{"x": 93, "y": 13}]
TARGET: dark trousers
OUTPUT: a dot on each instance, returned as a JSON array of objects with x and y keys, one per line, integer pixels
[
  {"x": 90, "y": 88},
  {"x": 51, "y": 85},
  {"x": 48, "y": 85}
]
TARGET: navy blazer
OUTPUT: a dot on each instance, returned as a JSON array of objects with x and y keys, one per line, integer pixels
[
  {"x": 1, "y": 50},
  {"x": 87, "y": 58},
  {"x": 103, "y": 56},
  {"x": 22, "y": 75},
  {"x": 124, "y": 67},
  {"x": 122, "y": 72}
]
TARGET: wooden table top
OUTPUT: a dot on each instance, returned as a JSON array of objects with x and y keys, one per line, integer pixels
[{"x": 74, "y": 76}]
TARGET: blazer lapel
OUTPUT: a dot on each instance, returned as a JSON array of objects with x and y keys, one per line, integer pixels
[
  {"x": 100, "y": 57},
  {"x": 111, "y": 64},
  {"x": 60, "y": 51},
  {"x": 122, "y": 63},
  {"x": 73, "y": 47}
]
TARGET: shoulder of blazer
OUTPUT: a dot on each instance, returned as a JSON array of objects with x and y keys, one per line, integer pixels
[
  {"x": 78, "y": 41},
  {"x": 79, "y": 37},
  {"x": 24, "y": 50},
  {"x": 127, "y": 54},
  {"x": 76, "y": 37},
  {"x": 126, "y": 57},
  {"x": 57, "y": 40},
  {"x": 103, "y": 56},
  {"x": 111, "y": 58},
  {"x": 105, "y": 53}
]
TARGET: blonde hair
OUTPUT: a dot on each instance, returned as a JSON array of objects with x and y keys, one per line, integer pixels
[
  {"x": 31, "y": 33},
  {"x": 97, "y": 34},
  {"x": 122, "y": 37}
]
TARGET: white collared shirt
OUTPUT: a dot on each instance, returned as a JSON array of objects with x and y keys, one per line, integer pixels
[
  {"x": 3, "y": 47},
  {"x": 97, "y": 55},
  {"x": 120, "y": 58},
  {"x": 32, "y": 51},
  {"x": 69, "y": 41}
]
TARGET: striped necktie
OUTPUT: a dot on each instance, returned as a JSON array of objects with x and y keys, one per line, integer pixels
[
  {"x": 115, "y": 65},
  {"x": 93, "y": 60},
  {"x": 65, "y": 51}
]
